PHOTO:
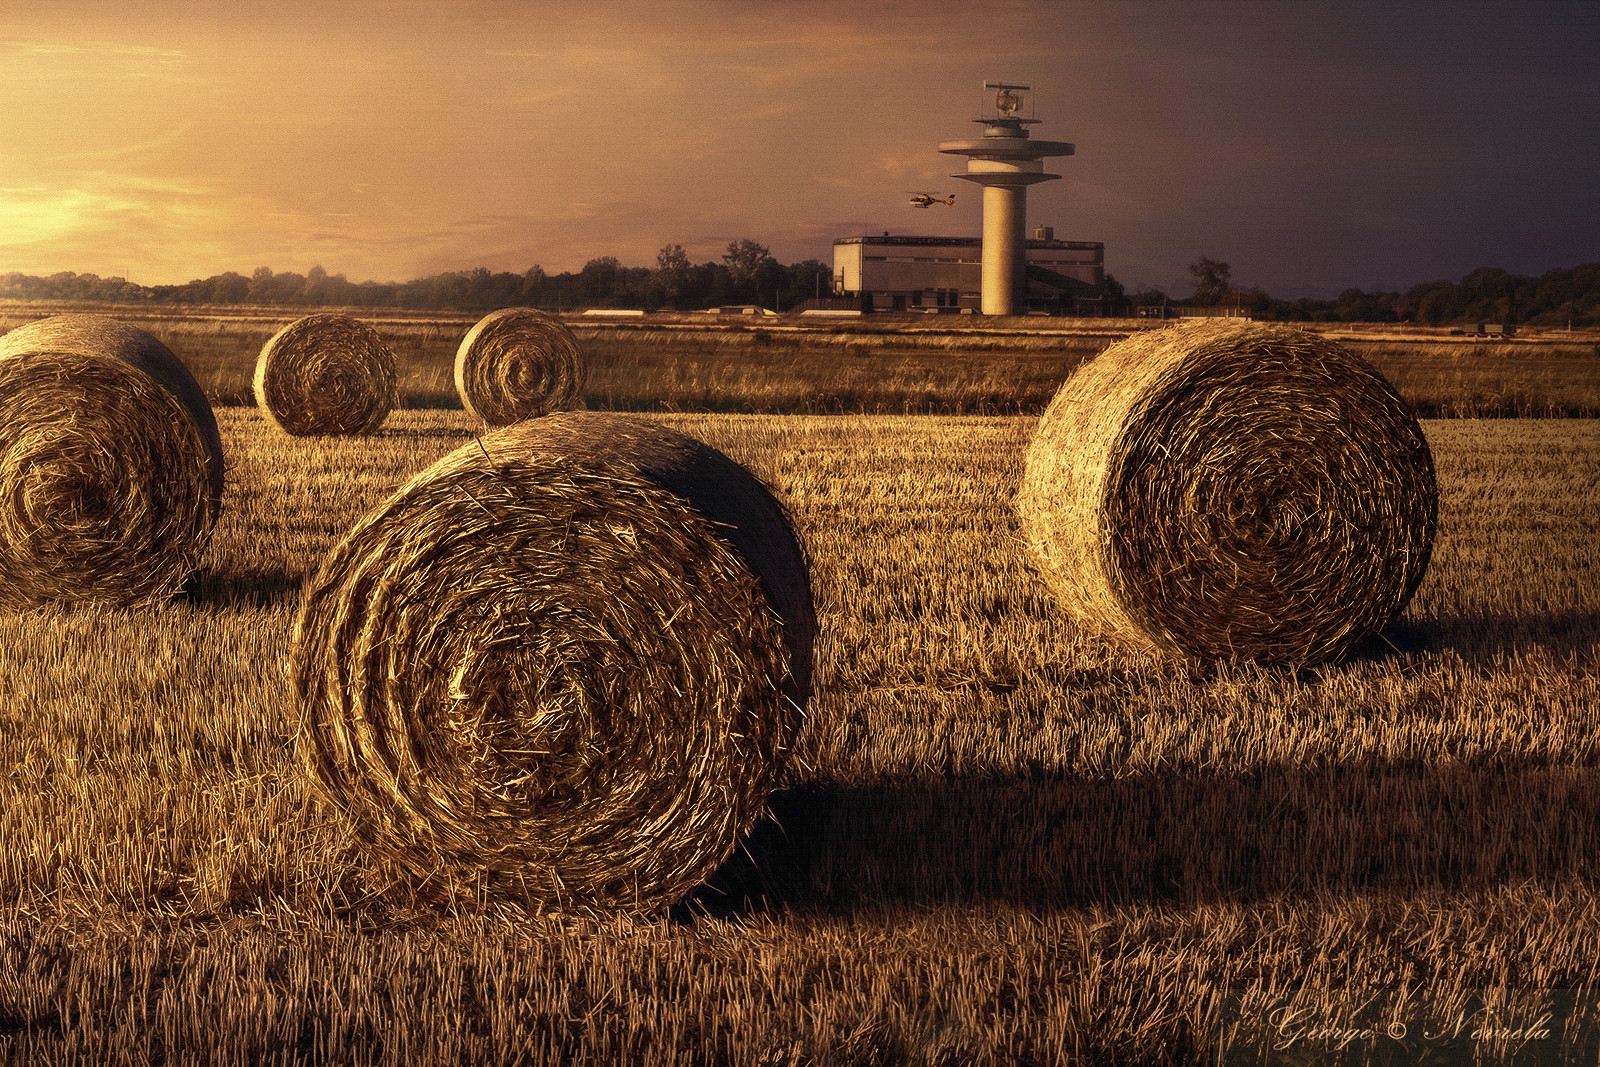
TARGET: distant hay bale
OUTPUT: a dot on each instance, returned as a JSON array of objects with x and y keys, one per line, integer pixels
[
  {"x": 518, "y": 363},
  {"x": 110, "y": 465},
  {"x": 326, "y": 374},
  {"x": 561, "y": 667},
  {"x": 1228, "y": 491}
]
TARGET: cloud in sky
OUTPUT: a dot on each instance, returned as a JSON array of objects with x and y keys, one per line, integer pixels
[{"x": 1313, "y": 146}]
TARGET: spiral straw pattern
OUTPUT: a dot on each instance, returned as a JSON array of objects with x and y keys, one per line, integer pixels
[
  {"x": 518, "y": 363},
  {"x": 326, "y": 374},
  {"x": 1228, "y": 491},
  {"x": 111, "y": 466},
  {"x": 561, "y": 667}
]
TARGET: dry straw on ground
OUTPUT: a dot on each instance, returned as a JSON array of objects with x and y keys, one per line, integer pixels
[
  {"x": 560, "y": 668},
  {"x": 1230, "y": 491},
  {"x": 110, "y": 465},
  {"x": 517, "y": 363},
  {"x": 326, "y": 374}
]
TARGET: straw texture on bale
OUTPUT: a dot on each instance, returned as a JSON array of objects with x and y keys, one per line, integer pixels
[
  {"x": 111, "y": 466},
  {"x": 562, "y": 667},
  {"x": 326, "y": 374},
  {"x": 518, "y": 363},
  {"x": 1228, "y": 491}
]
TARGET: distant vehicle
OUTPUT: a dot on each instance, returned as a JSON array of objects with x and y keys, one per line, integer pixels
[{"x": 927, "y": 200}]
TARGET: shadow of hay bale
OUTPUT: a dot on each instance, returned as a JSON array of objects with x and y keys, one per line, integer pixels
[
  {"x": 1476, "y": 636},
  {"x": 1063, "y": 839},
  {"x": 213, "y": 589},
  {"x": 429, "y": 433}
]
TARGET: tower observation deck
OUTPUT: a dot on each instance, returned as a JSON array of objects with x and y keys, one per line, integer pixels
[{"x": 1005, "y": 161}]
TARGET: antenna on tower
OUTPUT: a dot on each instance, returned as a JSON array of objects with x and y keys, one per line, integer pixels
[{"x": 1002, "y": 103}]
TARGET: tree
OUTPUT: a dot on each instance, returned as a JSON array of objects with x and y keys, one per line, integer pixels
[
  {"x": 1148, "y": 297},
  {"x": 671, "y": 275},
  {"x": 812, "y": 278},
  {"x": 672, "y": 259},
  {"x": 531, "y": 289},
  {"x": 1212, "y": 281},
  {"x": 230, "y": 288},
  {"x": 1114, "y": 296},
  {"x": 315, "y": 290},
  {"x": 597, "y": 282},
  {"x": 260, "y": 286},
  {"x": 745, "y": 257},
  {"x": 751, "y": 268}
]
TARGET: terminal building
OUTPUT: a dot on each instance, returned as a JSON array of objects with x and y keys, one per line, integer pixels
[{"x": 945, "y": 274}]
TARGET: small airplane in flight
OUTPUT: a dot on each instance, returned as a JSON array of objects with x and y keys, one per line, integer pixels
[{"x": 927, "y": 200}]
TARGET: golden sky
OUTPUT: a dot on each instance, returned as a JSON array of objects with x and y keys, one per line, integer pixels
[{"x": 1313, "y": 146}]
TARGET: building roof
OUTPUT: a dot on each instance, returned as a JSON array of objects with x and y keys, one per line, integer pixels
[{"x": 958, "y": 242}]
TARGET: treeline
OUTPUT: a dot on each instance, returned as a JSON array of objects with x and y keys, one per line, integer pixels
[
  {"x": 747, "y": 274},
  {"x": 1488, "y": 294}
]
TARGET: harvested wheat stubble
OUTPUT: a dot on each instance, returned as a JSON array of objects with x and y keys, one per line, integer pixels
[
  {"x": 1230, "y": 491},
  {"x": 518, "y": 363},
  {"x": 111, "y": 466},
  {"x": 326, "y": 374},
  {"x": 561, "y": 668}
]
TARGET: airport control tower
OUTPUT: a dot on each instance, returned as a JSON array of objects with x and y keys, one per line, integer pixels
[{"x": 1005, "y": 161}]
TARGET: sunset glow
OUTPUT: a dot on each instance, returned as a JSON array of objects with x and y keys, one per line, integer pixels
[{"x": 1313, "y": 146}]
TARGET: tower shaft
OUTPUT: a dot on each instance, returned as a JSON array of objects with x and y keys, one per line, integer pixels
[{"x": 1004, "y": 210}]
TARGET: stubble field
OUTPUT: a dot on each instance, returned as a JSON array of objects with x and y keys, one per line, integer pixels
[
  {"x": 1001, "y": 841},
  {"x": 908, "y": 364}
]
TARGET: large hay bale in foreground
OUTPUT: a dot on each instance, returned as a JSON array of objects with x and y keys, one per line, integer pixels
[
  {"x": 1230, "y": 491},
  {"x": 518, "y": 363},
  {"x": 560, "y": 667},
  {"x": 111, "y": 466},
  {"x": 326, "y": 374}
]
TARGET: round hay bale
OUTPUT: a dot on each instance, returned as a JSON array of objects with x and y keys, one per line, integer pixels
[
  {"x": 1228, "y": 491},
  {"x": 110, "y": 465},
  {"x": 326, "y": 374},
  {"x": 518, "y": 363},
  {"x": 561, "y": 667}
]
